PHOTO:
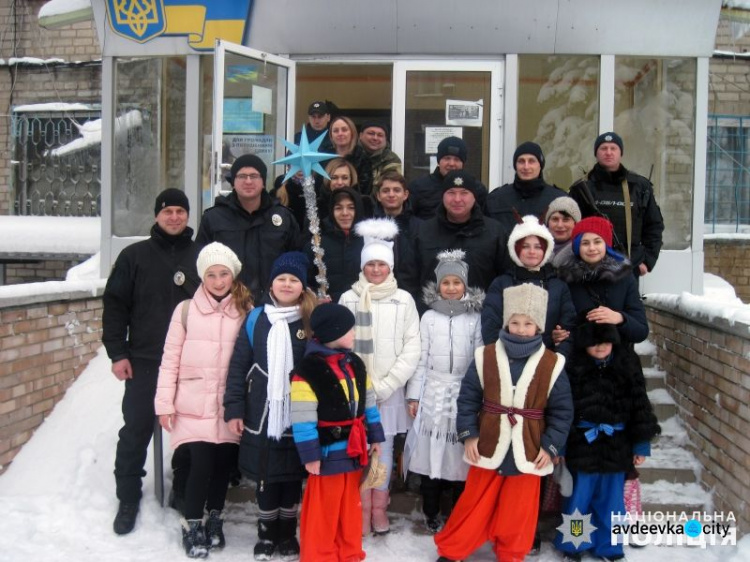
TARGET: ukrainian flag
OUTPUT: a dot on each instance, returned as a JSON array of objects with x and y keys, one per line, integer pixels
[{"x": 204, "y": 21}]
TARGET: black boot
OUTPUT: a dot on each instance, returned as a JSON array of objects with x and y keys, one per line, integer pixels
[
  {"x": 268, "y": 538},
  {"x": 288, "y": 548},
  {"x": 215, "y": 530},
  {"x": 194, "y": 538},
  {"x": 125, "y": 518}
]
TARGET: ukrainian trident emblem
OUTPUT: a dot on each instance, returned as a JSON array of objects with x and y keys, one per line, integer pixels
[
  {"x": 139, "y": 20},
  {"x": 576, "y": 527}
]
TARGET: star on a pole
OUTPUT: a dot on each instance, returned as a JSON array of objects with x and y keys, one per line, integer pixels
[{"x": 305, "y": 157}]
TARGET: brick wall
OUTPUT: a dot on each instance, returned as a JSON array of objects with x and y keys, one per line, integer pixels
[
  {"x": 44, "y": 345},
  {"x": 707, "y": 362},
  {"x": 729, "y": 258},
  {"x": 47, "y": 270},
  {"x": 728, "y": 91},
  {"x": 78, "y": 79}
]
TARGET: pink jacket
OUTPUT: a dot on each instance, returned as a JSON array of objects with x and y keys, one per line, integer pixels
[{"x": 193, "y": 373}]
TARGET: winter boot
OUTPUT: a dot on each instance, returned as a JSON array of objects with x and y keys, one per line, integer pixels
[
  {"x": 215, "y": 530},
  {"x": 366, "y": 496},
  {"x": 380, "y": 501},
  {"x": 268, "y": 538},
  {"x": 194, "y": 538},
  {"x": 288, "y": 548},
  {"x": 127, "y": 513}
]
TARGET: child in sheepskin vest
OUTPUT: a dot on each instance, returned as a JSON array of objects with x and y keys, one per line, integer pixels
[{"x": 514, "y": 414}]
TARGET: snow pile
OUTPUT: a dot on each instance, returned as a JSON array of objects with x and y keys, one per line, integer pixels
[
  {"x": 91, "y": 132},
  {"x": 52, "y": 106},
  {"x": 60, "y": 7},
  {"x": 719, "y": 301},
  {"x": 50, "y": 235},
  {"x": 52, "y": 288},
  {"x": 86, "y": 271}
]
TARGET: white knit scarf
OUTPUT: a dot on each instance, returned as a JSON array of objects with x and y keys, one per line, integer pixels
[
  {"x": 280, "y": 363},
  {"x": 367, "y": 292}
]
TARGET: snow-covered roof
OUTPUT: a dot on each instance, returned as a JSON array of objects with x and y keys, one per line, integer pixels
[
  {"x": 57, "y": 13},
  {"x": 27, "y": 235},
  {"x": 52, "y": 107}
]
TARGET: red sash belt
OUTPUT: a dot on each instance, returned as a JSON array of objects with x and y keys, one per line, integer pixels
[
  {"x": 356, "y": 446},
  {"x": 495, "y": 408}
]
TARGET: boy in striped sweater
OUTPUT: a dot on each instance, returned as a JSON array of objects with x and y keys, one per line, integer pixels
[{"x": 334, "y": 417}]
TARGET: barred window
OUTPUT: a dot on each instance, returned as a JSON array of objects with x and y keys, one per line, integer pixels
[
  {"x": 56, "y": 158},
  {"x": 728, "y": 173}
]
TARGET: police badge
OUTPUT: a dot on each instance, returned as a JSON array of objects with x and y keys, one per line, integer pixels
[
  {"x": 179, "y": 278},
  {"x": 276, "y": 220}
]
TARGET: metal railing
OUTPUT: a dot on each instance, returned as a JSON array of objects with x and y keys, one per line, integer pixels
[
  {"x": 56, "y": 163},
  {"x": 728, "y": 174}
]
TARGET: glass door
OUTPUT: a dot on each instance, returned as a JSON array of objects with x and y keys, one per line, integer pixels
[
  {"x": 253, "y": 110},
  {"x": 436, "y": 99}
]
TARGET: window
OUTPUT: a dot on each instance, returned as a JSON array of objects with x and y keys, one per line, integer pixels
[
  {"x": 56, "y": 156},
  {"x": 727, "y": 173}
]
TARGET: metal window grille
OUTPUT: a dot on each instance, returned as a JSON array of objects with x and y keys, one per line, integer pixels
[
  {"x": 56, "y": 169},
  {"x": 728, "y": 173}
]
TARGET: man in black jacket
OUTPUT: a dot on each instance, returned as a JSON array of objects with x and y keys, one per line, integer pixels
[
  {"x": 459, "y": 223},
  {"x": 256, "y": 227},
  {"x": 148, "y": 281},
  {"x": 426, "y": 193},
  {"x": 529, "y": 194},
  {"x": 602, "y": 192}
]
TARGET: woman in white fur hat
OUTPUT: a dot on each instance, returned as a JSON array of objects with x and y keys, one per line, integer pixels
[
  {"x": 530, "y": 246},
  {"x": 387, "y": 340},
  {"x": 190, "y": 391}
]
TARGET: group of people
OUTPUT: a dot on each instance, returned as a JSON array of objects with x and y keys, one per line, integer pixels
[{"x": 451, "y": 325}]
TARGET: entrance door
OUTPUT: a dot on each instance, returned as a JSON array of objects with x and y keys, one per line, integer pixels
[
  {"x": 436, "y": 99},
  {"x": 253, "y": 110}
]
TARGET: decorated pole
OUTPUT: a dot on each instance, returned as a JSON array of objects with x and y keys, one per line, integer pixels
[{"x": 306, "y": 157}]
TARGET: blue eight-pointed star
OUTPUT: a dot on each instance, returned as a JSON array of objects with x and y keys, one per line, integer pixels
[{"x": 305, "y": 157}]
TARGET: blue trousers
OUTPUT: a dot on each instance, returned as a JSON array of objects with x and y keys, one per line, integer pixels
[{"x": 601, "y": 495}]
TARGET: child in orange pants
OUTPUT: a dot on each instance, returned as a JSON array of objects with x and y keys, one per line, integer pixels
[
  {"x": 334, "y": 416},
  {"x": 514, "y": 414}
]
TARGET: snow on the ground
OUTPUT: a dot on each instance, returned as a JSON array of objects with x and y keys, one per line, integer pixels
[
  {"x": 58, "y": 499},
  {"x": 50, "y": 235}
]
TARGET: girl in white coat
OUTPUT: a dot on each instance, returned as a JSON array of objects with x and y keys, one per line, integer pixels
[
  {"x": 190, "y": 391},
  {"x": 387, "y": 340},
  {"x": 450, "y": 331}
]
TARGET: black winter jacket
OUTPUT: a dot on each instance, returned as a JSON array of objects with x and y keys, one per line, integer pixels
[
  {"x": 141, "y": 294},
  {"x": 257, "y": 238},
  {"x": 261, "y": 458},
  {"x": 609, "y": 283},
  {"x": 560, "y": 309},
  {"x": 404, "y": 252},
  {"x": 648, "y": 225},
  {"x": 526, "y": 197},
  {"x": 481, "y": 238},
  {"x": 426, "y": 195},
  {"x": 609, "y": 393}
]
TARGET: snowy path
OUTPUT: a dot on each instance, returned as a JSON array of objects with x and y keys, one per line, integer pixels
[{"x": 58, "y": 499}]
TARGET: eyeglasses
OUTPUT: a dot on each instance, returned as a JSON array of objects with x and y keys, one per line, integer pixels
[{"x": 243, "y": 177}]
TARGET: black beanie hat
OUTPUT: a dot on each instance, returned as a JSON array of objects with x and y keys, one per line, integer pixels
[
  {"x": 330, "y": 321},
  {"x": 247, "y": 161},
  {"x": 379, "y": 124},
  {"x": 452, "y": 146},
  {"x": 529, "y": 148},
  {"x": 591, "y": 333},
  {"x": 609, "y": 137},
  {"x": 171, "y": 198},
  {"x": 459, "y": 178}
]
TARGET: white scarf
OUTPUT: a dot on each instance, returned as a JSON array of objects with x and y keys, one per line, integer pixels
[
  {"x": 363, "y": 336},
  {"x": 280, "y": 363}
]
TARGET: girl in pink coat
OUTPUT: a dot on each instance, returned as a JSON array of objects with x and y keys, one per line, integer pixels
[{"x": 190, "y": 391}]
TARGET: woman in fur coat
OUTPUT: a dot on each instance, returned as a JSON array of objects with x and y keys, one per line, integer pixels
[{"x": 450, "y": 332}]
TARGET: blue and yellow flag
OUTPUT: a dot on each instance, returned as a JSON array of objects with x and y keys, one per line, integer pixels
[{"x": 202, "y": 21}]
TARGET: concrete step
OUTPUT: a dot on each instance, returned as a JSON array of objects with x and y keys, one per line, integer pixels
[
  {"x": 671, "y": 464},
  {"x": 655, "y": 378},
  {"x": 674, "y": 497},
  {"x": 647, "y": 352},
  {"x": 664, "y": 405}
]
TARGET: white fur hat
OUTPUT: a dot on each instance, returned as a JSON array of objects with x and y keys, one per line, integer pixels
[
  {"x": 378, "y": 235},
  {"x": 530, "y": 226},
  {"x": 217, "y": 253},
  {"x": 527, "y": 299}
]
